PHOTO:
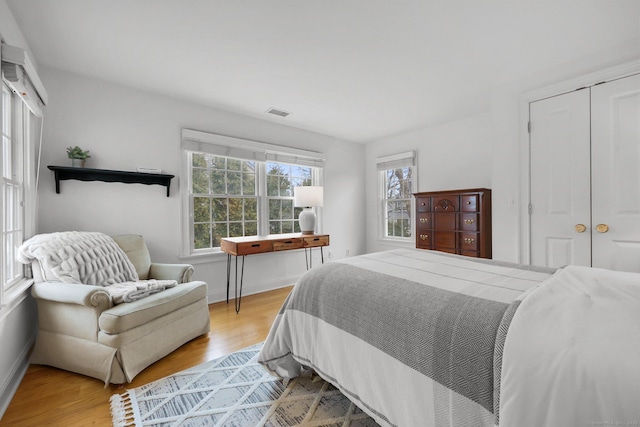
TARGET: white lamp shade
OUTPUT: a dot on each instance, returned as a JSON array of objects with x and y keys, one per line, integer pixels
[{"x": 307, "y": 196}]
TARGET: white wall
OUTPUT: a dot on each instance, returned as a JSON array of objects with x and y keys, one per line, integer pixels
[
  {"x": 125, "y": 128},
  {"x": 18, "y": 320},
  {"x": 452, "y": 155}
]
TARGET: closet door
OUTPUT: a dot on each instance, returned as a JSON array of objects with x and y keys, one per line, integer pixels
[
  {"x": 615, "y": 147},
  {"x": 560, "y": 180}
]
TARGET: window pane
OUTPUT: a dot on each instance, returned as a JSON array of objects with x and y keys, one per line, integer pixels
[
  {"x": 287, "y": 226},
  {"x": 234, "y": 183},
  {"x": 201, "y": 236},
  {"x": 235, "y": 229},
  {"x": 287, "y": 209},
  {"x": 235, "y": 209},
  {"x": 251, "y": 228},
  {"x": 201, "y": 209},
  {"x": 251, "y": 210},
  {"x": 234, "y": 165},
  {"x": 274, "y": 227},
  {"x": 199, "y": 160},
  {"x": 219, "y": 207},
  {"x": 218, "y": 182},
  {"x": 274, "y": 208},
  {"x": 219, "y": 231},
  {"x": 248, "y": 184},
  {"x": 272, "y": 185}
]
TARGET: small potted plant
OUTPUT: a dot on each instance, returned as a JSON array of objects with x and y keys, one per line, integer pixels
[{"x": 78, "y": 156}]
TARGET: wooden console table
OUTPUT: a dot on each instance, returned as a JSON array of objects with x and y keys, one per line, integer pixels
[{"x": 243, "y": 246}]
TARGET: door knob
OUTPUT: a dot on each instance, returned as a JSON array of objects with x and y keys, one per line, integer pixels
[
  {"x": 581, "y": 228},
  {"x": 602, "y": 228}
]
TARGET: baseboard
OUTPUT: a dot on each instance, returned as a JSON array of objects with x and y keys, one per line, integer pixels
[
  {"x": 250, "y": 289},
  {"x": 12, "y": 381}
]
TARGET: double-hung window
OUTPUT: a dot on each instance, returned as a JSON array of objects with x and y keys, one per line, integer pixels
[
  {"x": 23, "y": 99},
  {"x": 234, "y": 187},
  {"x": 397, "y": 180}
]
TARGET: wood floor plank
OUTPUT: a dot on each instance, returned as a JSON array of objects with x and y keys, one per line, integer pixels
[{"x": 53, "y": 397}]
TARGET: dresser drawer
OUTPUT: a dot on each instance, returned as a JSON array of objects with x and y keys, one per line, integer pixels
[
  {"x": 444, "y": 239},
  {"x": 423, "y": 240},
  {"x": 469, "y": 222},
  {"x": 423, "y": 204},
  {"x": 444, "y": 221},
  {"x": 469, "y": 204},
  {"x": 445, "y": 204},
  {"x": 286, "y": 244},
  {"x": 424, "y": 221},
  {"x": 250, "y": 248},
  {"x": 469, "y": 241},
  {"x": 314, "y": 241}
]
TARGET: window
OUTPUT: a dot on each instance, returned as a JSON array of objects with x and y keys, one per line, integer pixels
[
  {"x": 225, "y": 199},
  {"x": 396, "y": 195},
  {"x": 15, "y": 123},
  {"x": 23, "y": 99},
  {"x": 240, "y": 188},
  {"x": 281, "y": 180}
]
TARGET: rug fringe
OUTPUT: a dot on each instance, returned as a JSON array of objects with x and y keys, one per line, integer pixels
[{"x": 122, "y": 410}]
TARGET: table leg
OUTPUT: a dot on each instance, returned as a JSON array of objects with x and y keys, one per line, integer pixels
[
  {"x": 228, "y": 274},
  {"x": 239, "y": 296}
]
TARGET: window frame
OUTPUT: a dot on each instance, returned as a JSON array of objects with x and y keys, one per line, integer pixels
[
  {"x": 239, "y": 149},
  {"x": 383, "y": 165},
  {"x": 23, "y": 178}
]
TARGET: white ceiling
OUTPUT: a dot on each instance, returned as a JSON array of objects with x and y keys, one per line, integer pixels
[{"x": 357, "y": 70}]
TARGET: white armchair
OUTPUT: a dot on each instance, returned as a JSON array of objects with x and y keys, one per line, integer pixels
[{"x": 83, "y": 331}]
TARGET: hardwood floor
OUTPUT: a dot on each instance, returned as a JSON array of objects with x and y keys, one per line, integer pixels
[{"x": 49, "y": 396}]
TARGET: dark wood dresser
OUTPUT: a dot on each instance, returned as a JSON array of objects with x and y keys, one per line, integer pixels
[{"x": 456, "y": 221}]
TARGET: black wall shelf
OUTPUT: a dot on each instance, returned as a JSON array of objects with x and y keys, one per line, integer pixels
[{"x": 88, "y": 174}]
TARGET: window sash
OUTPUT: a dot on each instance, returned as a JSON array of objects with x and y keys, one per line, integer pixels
[
  {"x": 396, "y": 208},
  {"x": 15, "y": 150}
]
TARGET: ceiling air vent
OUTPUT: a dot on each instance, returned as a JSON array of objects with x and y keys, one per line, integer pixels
[{"x": 277, "y": 112}]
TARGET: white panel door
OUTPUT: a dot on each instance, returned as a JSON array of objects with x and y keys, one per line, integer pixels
[
  {"x": 560, "y": 180},
  {"x": 615, "y": 150}
]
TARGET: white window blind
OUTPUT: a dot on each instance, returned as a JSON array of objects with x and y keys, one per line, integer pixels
[
  {"x": 395, "y": 161},
  {"x": 222, "y": 145},
  {"x": 21, "y": 76}
]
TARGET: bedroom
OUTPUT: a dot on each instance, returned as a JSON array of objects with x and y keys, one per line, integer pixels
[{"x": 478, "y": 119}]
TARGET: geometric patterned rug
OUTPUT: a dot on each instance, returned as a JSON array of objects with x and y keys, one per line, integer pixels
[{"x": 235, "y": 391}]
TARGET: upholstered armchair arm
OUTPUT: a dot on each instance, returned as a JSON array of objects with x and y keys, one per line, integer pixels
[
  {"x": 179, "y": 272},
  {"x": 73, "y": 293}
]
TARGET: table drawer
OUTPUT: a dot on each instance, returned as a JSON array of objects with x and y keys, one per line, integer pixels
[
  {"x": 286, "y": 244},
  {"x": 249, "y": 248},
  {"x": 313, "y": 241}
]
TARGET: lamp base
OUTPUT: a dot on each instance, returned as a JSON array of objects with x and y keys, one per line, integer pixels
[{"x": 307, "y": 221}]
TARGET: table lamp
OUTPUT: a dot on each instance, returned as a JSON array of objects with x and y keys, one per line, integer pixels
[{"x": 307, "y": 197}]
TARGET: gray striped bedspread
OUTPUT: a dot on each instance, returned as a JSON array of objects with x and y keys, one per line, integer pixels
[{"x": 412, "y": 337}]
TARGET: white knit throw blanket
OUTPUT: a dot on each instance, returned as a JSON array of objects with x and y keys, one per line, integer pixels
[{"x": 90, "y": 258}]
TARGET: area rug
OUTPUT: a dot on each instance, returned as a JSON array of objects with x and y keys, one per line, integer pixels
[{"x": 235, "y": 391}]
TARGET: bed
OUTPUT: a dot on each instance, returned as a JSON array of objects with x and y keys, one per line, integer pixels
[{"x": 423, "y": 338}]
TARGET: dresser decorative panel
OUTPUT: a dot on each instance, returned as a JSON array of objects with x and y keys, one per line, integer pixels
[{"x": 456, "y": 221}]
